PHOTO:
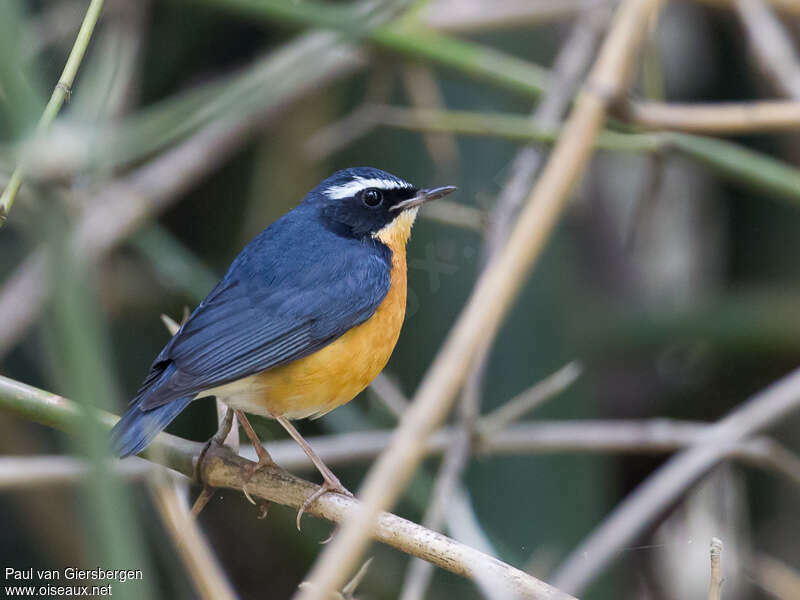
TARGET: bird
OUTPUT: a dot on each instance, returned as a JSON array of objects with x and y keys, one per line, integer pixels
[{"x": 305, "y": 318}]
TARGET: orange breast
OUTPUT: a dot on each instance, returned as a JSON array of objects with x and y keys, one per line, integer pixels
[{"x": 334, "y": 375}]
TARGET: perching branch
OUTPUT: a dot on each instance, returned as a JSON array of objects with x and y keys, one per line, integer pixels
[
  {"x": 224, "y": 469},
  {"x": 491, "y": 299},
  {"x": 523, "y": 403},
  {"x": 591, "y": 436}
]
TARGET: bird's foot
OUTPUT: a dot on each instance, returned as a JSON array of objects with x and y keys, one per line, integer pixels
[
  {"x": 263, "y": 461},
  {"x": 208, "y": 491},
  {"x": 217, "y": 440},
  {"x": 331, "y": 484}
]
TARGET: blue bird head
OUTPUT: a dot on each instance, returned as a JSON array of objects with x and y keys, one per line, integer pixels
[{"x": 364, "y": 201}]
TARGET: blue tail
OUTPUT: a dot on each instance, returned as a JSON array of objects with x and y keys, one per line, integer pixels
[{"x": 138, "y": 426}]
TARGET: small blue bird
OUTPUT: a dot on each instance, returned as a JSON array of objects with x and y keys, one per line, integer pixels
[{"x": 306, "y": 316}]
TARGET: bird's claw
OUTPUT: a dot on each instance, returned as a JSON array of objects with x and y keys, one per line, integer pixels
[
  {"x": 252, "y": 470},
  {"x": 326, "y": 487}
]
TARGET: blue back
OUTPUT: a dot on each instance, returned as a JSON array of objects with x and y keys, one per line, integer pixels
[{"x": 292, "y": 290}]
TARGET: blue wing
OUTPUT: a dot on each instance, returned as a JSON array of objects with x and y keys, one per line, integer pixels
[
  {"x": 282, "y": 299},
  {"x": 294, "y": 289}
]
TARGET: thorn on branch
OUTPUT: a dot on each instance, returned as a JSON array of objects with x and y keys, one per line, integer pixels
[{"x": 201, "y": 501}]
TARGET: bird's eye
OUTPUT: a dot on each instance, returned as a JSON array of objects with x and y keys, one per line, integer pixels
[{"x": 372, "y": 198}]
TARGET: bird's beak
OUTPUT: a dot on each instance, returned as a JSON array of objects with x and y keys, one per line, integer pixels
[{"x": 424, "y": 195}]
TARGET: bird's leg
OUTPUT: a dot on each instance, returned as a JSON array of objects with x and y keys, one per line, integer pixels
[
  {"x": 331, "y": 483},
  {"x": 264, "y": 459},
  {"x": 218, "y": 439}
]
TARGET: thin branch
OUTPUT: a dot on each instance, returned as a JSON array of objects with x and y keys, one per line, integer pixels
[
  {"x": 654, "y": 436},
  {"x": 18, "y": 472},
  {"x": 492, "y": 297},
  {"x": 770, "y": 455},
  {"x": 477, "y": 15},
  {"x": 720, "y": 118},
  {"x": 639, "y": 510},
  {"x": 724, "y": 118},
  {"x": 198, "y": 557},
  {"x": 771, "y": 45},
  {"x": 335, "y": 136},
  {"x": 61, "y": 92},
  {"x": 389, "y": 394},
  {"x": 715, "y": 585},
  {"x": 531, "y": 398},
  {"x": 513, "y": 127},
  {"x": 568, "y": 71},
  {"x": 423, "y": 91},
  {"x": 224, "y": 469}
]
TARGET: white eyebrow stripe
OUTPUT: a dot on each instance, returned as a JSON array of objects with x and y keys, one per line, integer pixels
[{"x": 351, "y": 188}]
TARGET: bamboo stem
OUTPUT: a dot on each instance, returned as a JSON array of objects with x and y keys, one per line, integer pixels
[{"x": 61, "y": 92}]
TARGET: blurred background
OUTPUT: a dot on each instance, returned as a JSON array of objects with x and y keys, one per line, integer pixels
[{"x": 192, "y": 125}]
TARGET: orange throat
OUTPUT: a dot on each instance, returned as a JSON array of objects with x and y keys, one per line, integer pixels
[{"x": 396, "y": 234}]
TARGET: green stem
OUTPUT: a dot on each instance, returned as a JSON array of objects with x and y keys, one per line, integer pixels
[
  {"x": 60, "y": 93},
  {"x": 475, "y": 60},
  {"x": 405, "y": 36},
  {"x": 740, "y": 164},
  {"x": 54, "y": 411},
  {"x": 517, "y": 128},
  {"x": 725, "y": 158}
]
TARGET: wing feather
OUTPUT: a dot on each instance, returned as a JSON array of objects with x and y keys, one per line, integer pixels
[{"x": 257, "y": 319}]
